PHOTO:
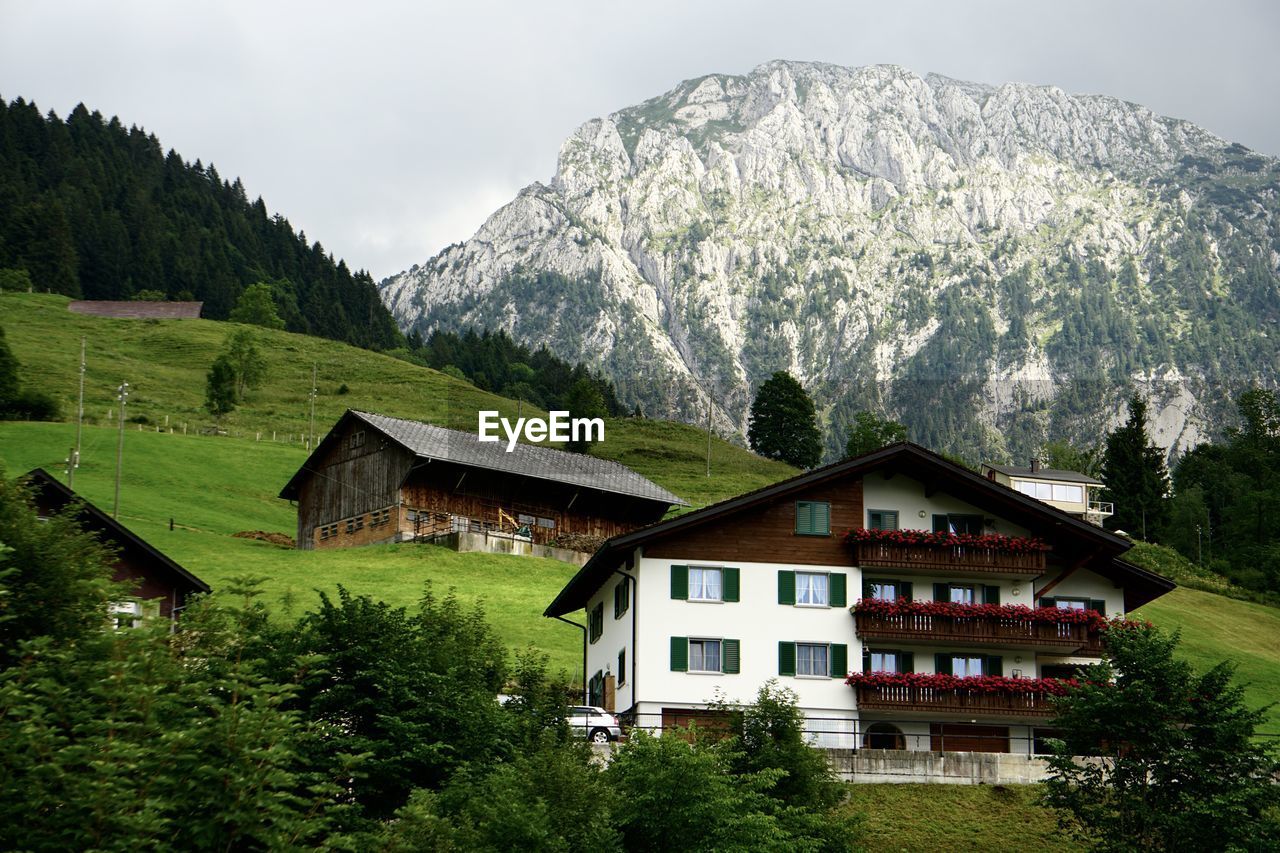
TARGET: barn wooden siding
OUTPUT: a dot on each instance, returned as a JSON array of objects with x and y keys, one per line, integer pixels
[
  {"x": 359, "y": 473},
  {"x": 443, "y": 487}
]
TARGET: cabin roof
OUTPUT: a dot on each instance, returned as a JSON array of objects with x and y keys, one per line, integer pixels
[
  {"x": 913, "y": 460},
  {"x": 59, "y": 495},
  {"x": 427, "y": 441}
]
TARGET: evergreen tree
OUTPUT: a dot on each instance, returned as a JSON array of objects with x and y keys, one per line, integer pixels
[
  {"x": 220, "y": 387},
  {"x": 584, "y": 401},
  {"x": 10, "y": 387},
  {"x": 257, "y": 307},
  {"x": 1136, "y": 478},
  {"x": 1174, "y": 765},
  {"x": 784, "y": 423},
  {"x": 249, "y": 365},
  {"x": 870, "y": 432}
]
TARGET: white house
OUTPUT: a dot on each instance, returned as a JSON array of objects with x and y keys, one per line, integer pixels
[{"x": 836, "y": 572}]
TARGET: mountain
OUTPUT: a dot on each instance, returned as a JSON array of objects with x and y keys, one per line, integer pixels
[
  {"x": 93, "y": 210},
  {"x": 992, "y": 265}
]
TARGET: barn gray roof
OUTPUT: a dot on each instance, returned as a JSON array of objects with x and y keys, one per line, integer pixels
[
  {"x": 137, "y": 310},
  {"x": 545, "y": 463}
]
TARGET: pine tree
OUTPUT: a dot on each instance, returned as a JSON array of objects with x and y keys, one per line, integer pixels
[
  {"x": 220, "y": 387},
  {"x": 784, "y": 423},
  {"x": 1136, "y": 478},
  {"x": 870, "y": 433}
]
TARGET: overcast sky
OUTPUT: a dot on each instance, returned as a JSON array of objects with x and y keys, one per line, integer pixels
[{"x": 389, "y": 130}]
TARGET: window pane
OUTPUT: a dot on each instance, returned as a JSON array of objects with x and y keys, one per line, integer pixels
[
  {"x": 1072, "y": 604},
  {"x": 962, "y": 595},
  {"x": 884, "y": 591},
  {"x": 811, "y": 659},
  {"x": 811, "y": 588},
  {"x": 1026, "y": 487},
  {"x": 704, "y": 584},
  {"x": 884, "y": 661},
  {"x": 1068, "y": 494},
  {"x": 1044, "y": 491},
  {"x": 964, "y": 666}
]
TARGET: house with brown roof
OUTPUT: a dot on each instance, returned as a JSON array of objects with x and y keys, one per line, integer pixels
[
  {"x": 377, "y": 479},
  {"x": 909, "y": 602},
  {"x": 159, "y": 584}
]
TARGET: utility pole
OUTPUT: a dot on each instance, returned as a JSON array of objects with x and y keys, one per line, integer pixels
[
  {"x": 74, "y": 462},
  {"x": 123, "y": 397},
  {"x": 311, "y": 440}
]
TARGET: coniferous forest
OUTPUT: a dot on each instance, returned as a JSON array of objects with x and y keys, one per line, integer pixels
[{"x": 94, "y": 210}]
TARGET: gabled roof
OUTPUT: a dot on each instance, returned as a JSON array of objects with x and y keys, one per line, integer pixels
[
  {"x": 907, "y": 457},
  {"x": 1060, "y": 474},
  {"x": 427, "y": 441},
  {"x": 55, "y": 492}
]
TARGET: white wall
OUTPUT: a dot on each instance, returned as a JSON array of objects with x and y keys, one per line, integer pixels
[
  {"x": 907, "y": 496},
  {"x": 602, "y": 655},
  {"x": 1085, "y": 584},
  {"x": 757, "y": 620}
]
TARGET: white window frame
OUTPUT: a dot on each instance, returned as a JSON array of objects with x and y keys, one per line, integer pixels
[
  {"x": 1061, "y": 492},
  {"x": 811, "y": 648},
  {"x": 702, "y": 586},
  {"x": 970, "y": 588},
  {"x": 703, "y": 643},
  {"x": 121, "y": 611},
  {"x": 809, "y": 590},
  {"x": 1071, "y": 603}
]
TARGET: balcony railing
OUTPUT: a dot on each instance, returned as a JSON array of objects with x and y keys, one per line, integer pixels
[
  {"x": 1066, "y": 638},
  {"x": 1102, "y": 508},
  {"x": 947, "y": 558},
  {"x": 962, "y": 701}
]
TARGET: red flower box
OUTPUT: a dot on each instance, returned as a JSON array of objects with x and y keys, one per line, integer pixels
[
  {"x": 972, "y": 684},
  {"x": 1011, "y": 612},
  {"x": 984, "y": 541}
]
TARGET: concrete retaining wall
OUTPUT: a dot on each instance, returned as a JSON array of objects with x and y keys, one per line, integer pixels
[
  {"x": 951, "y": 768},
  {"x": 490, "y": 544}
]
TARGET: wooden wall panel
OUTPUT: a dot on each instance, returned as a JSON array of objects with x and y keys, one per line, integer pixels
[{"x": 766, "y": 534}]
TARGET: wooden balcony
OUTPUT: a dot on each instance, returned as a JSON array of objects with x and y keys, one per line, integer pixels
[
  {"x": 967, "y": 631},
  {"x": 947, "y": 559},
  {"x": 957, "y": 702}
]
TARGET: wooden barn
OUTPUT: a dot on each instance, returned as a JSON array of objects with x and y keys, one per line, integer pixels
[
  {"x": 141, "y": 310},
  {"x": 159, "y": 584},
  {"x": 380, "y": 479}
]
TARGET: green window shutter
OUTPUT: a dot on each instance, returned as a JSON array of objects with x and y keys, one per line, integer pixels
[
  {"x": 732, "y": 585},
  {"x": 940, "y": 524},
  {"x": 617, "y": 599},
  {"x": 908, "y": 661},
  {"x": 866, "y": 659},
  {"x": 904, "y": 590},
  {"x": 786, "y": 658},
  {"x": 994, "y": 665},
  {"x": 991, "y": 595},
  {"x": 839, "y": 660},
  {"x": 786, "y": 587},
  {"x": 941, "y": 592},
  {"x": 679, "y": 654},
  {"x": 822, "y": 518},
  {"x": 866, "y": 589},
  {"x": 1049, "y": 602},
  {"x": 730, "y": 656},
  {"x": 942, "y": 664},
  {"x": 1098, "y": 604},
  {"x": 680, "y": 582},
  {"x": 839, "y": 590},
  {"x": 804, "y": 517}
]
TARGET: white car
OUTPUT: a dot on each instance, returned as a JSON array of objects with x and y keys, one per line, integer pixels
[{"x": 595, "y": 724}]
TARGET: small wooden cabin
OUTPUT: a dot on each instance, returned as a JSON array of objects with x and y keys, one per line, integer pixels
[
  {"x": 159, "y": 584},
  {"x": 141, "y": 310},
  {"x": 381, "y": 479}
]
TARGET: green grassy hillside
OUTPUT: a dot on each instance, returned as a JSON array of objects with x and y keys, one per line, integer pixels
[{"x": 165, "y": 363}]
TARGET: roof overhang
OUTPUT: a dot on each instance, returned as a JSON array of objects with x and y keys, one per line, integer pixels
[{"x": 937, "y": 472}]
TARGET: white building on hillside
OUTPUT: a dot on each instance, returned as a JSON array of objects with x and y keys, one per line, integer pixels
[{"x": 712, "y": 604}]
